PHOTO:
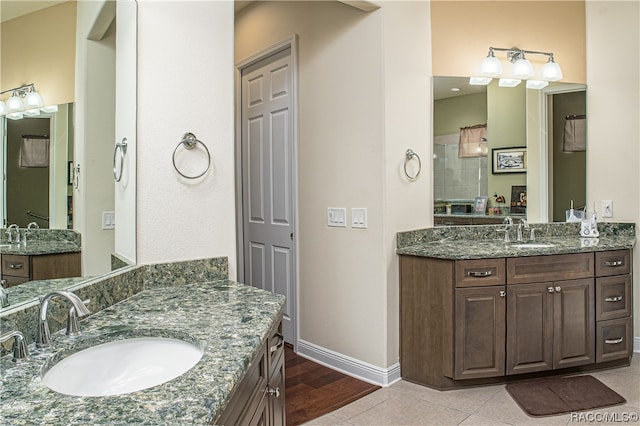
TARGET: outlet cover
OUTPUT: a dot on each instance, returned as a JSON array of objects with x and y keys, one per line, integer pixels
[{"x": 607, "y": 208}]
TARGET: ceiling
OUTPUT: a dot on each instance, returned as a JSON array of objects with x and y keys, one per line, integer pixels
[
  {"x": 442, "y": 87},
  {"x": 10, "y": 9}
]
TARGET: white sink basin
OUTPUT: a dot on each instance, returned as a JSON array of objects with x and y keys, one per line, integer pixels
[
  {"x": 532, "y": 245},
  {"x": 122, "y": 366}
]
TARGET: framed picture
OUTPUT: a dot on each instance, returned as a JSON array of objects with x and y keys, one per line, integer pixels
[
  {"x": 509, "y": 160},
  {"x": 519, "y": 199},
  {"x": 480, "y": 207}
]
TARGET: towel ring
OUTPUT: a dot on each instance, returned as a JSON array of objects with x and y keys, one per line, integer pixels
[
  {"x": 409, "y": 155},
  {"x": 189, "y": 141},
  {"x": 122, "y": 147}
]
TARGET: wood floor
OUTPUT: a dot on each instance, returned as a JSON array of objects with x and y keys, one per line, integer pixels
[{"x": 312, "y": 390}]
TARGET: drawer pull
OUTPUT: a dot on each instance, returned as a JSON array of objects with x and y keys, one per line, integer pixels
[
  {"x": 614, "y": 341},
  {"x": 480, "y": 274},
  {"x": 16, "y": 265},
  {"x": 613, "y": 299},
  {"x": 613, "y": 263},
  {"x": 503, "y": 293},
  {"x": 278, "y": 345},
  {"x": 558, "y": 289},
  {"x": 550, "y": 289},
  {"x": 274, "y": 392}
]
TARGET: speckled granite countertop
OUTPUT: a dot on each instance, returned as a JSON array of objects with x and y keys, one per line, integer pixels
[
  {"x": 229, "y": 320},
  {"x": 30, "y": 290},
  {"x": 37, "y": 247},
  {"x": 482, "y": 242}
]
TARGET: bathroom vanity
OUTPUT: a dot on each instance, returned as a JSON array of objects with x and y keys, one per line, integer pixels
[{"x": 476, "y": 310}]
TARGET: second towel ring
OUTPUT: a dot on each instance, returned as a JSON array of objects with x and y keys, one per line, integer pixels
[
  {"x": 409, "y": 155},
  {"x": 190, "y": 141},
  {"x": 122, "y": 146}
]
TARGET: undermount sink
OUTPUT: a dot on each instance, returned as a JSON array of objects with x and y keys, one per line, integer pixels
[
  {"x": 532, "y": 245},
  {"x": 122, "y": 366}
]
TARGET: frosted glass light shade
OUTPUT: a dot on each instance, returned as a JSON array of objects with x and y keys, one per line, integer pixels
[
  {"x": 15, "y": 115},
  {"x": 537, "y": 84},
  {"x": 14, "y": 104},
  {"x": 479, "y": 81},
  {"x": 491, "y": 67},
  {"x": 33, "y": 100},
  {"x": 522, "y": 69},
  {"x": 3, "y": 108},
  {"x": 551, "y": 71}
]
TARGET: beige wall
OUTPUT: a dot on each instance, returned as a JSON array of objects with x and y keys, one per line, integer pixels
[
  {"x": 463, "y": 31},
  {"x": 40, "y": 48}
]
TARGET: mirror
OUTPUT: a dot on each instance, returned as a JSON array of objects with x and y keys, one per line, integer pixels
[
  {"x": 541, "y": 177},
  {"x": 57, "y": 201}
]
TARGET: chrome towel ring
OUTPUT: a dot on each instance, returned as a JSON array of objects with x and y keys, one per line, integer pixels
[
  {"x": 409, "y": 156},
  {"x": 122, "y": 147},
  {"x": 189, "y": 141}
]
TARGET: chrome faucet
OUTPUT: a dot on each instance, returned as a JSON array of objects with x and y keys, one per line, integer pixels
[
  {"x": 44, "y": 335},
  {"x": 4, "y": 296},
  {"x": 20, "y": 350},
  {"x": 28, "y": 231},
  {"x": 9, "y": 230},
  {"x": 523, "y": 224},
  {"x": 508, "y": 223}
]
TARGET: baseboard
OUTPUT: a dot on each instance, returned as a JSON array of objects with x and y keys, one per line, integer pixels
[
  {"x": 350, "y": 366},
  {"x": 636, "y": 344}
]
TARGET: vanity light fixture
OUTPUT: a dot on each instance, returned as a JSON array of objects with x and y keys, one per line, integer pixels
[
  {"x": 522, "y": 69},
  {"x": 24, "y": 100}
]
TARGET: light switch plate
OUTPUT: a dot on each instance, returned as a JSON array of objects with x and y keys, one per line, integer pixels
[
  {"x": 337, "y": 216},
  {"x": 108, "y": 220},
  {"x": 358, "y": 217}
]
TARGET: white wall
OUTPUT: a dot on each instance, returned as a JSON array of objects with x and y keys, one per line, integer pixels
[
  {"x": 185, "y": 84},
  {"x": 613, "y": 108}
]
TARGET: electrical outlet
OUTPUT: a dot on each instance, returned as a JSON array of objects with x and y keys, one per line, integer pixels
[{"x": 607, "y": 208}]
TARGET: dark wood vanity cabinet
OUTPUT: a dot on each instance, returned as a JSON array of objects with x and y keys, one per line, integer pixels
[
  {"x": 259, "y": 397},
  {"x": 487, "y": 319},
  {"x": 17, "y": 269}
]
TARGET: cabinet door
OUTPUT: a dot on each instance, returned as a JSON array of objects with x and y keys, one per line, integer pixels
[
  {"x": 276, "y": 395},
  {"x": 574, "y": 323},
  {"x": 479, "y": 332},
  {"x": 530, "y": 330}
]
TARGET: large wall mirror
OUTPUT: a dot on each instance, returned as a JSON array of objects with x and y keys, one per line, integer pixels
[
  {"x": 507, "y": 151},
  {"x": 80, "y": 135}
]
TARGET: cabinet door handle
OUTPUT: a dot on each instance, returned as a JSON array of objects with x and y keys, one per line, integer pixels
[
  {"x": 613, "y": 299},
  {"x": 558, "y": 289},
  {"x": 16, "y": 265},
  {"x": 274, "y": 392},
  {"x": 550, "y": 289},
  {"x": 278, "y": 345},
  {"x": 479, "y": 274},
  {"x": 503, "y": 293},
  {"x": 613, "y": 263},
  {"x": 614, "y": 341}
]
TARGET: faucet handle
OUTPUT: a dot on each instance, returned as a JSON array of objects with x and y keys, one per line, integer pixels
[
  {"x": 73, "y": 328},
  {"x": 506, "y": 234},
  {"x": 532, "y": 236}
]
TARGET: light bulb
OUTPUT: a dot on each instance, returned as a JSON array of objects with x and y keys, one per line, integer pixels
[{"x": 551, "y": 71}]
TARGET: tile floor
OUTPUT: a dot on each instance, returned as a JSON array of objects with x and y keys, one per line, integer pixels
[{"x": 405, "y": 403}]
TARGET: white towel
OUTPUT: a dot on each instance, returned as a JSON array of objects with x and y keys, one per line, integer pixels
[
  {"x": 575, "y": 135},
  {"x": 34, "y": 153}
]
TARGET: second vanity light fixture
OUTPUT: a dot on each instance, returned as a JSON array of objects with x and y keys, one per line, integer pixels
[
  {"x": 521, "y": 69},
  {"x": 24, "y": 101}
]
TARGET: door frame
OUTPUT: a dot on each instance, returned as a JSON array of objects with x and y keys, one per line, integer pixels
[{"x": 291, "y": 43}]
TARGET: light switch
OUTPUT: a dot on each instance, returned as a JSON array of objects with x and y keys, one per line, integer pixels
[
  {"x": 108, "y": 220},
  {"x": 337, "y": 216},
  {"x": 358, "y": 217}
]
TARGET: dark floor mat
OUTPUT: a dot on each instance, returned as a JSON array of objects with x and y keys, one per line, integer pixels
[{"x": 558, "y": 395}]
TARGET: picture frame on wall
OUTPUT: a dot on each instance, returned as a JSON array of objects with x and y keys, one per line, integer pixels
[
  {"x": 519, "y": 199},
  {"x": 480, "y": 206},
  {"x": 509, "y": 160}
]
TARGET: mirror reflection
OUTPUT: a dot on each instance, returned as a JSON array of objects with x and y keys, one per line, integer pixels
[{"x": 498, "y": 149}]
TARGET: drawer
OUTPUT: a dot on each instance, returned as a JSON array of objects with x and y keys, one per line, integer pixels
[
  {"x": 613, "y": 263},
  {"x": 613, "y": 339},
  {"x": 613, "y": 297},
  {"x": 11, "y": 281},
  {"x": 480, "y": 272},
  {"x": 15, "y": 265},
  {"x": 536, "y": 269}
]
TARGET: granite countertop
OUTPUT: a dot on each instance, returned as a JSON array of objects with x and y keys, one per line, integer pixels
[
  {"x": 30, "y": 290},
  {"x": 483, "y": 249},
  {"x": 36, "y": 247},
  {"x": 229, "y": 320}
]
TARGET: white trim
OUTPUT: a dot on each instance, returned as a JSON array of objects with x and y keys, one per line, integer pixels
[
  {"x": 350, "y": 366},
  {"x": 636, "y": 344}
]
